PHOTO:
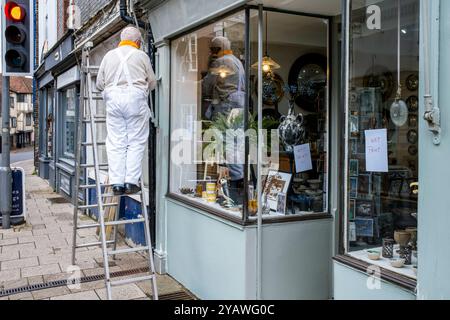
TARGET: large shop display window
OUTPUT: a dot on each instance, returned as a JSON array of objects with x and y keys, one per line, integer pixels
[
  {"x": 383, "y": 135},
  {"x": 215, "y": 101}
]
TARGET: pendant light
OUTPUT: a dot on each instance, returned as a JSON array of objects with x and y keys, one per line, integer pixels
[
  {"x": 399, "y": 109},
  {"x": 268, "y": 64}
]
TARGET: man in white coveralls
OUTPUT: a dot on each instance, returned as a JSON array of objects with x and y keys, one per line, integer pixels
[{"x": 126, "y": 79}]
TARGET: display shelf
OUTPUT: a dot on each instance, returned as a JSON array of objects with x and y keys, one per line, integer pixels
[{"x": 407, "y": 271}]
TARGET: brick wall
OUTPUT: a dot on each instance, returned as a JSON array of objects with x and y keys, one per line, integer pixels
[{"x": 89, "y": 8}]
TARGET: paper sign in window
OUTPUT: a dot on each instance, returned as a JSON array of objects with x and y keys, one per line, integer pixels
[
  {"x": 377, "y": 151},
  {"x": 303, "y": 161}
]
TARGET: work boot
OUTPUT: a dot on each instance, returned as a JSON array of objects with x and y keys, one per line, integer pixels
[
  {"x": 118, "y": 190},
  {"x": 131, "y": 188}
]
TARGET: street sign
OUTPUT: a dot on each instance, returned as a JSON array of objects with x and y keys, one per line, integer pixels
[{"x": 18, "y": 214}]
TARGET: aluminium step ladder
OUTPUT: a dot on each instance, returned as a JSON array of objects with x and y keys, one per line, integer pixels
[{"x": 87, "y": 118}]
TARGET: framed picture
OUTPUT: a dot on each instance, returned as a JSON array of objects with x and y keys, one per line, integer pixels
[
  {"x": 352, "y": 232},
  {"x": 364, "y": 227},
  {"x": 353, "y": 187},
  {"x": 281, "y": 204},
  {"x": 354, "y": 168},
  {"x": 365, "y": 184},
  {"x": 354, "y": 125},
  {"x": 364, "y": 209},
  {"x": 276, "y": 183},
  {"x": 352, "y": 209}
]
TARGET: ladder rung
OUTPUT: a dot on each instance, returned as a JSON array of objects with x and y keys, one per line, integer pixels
[
  {"x": 132, "y": 280},
  {"x": 93, "y": 186},
  {"x": 110, "y": 195},
  {"x": 124, "y": 222},
  {"x": 85, "y": 165},
  {"x": 129, "y": 250},
  {"x": 95, "y": 206},
  {"x": 88, "y": 226},
  {"x": 93, "y": 244},
  {"x": 89, "y": 144},
  {"x": 111, "y": 223}
]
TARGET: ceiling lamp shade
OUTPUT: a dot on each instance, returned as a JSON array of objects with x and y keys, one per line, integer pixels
[
  {"x": 223, "y": 71},
  {"x": 268, "y": 64}
]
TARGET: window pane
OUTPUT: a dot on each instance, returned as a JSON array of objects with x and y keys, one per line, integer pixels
[
  {"x": 50, "y": 122},
  {"x": 383, "y": 130},
  {"x": 69, "y": 121},
  {"x": 208, "y": 102},
  {"x": 295, "y": 106}
]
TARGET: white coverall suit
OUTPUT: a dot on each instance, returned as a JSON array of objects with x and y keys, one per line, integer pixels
[{"x": 126, "y": 78}]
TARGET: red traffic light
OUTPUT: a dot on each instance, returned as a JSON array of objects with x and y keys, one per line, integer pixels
[{"x": 14, "y": 12}]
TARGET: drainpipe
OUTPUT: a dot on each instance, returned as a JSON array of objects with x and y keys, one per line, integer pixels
[{"x": 432, "y": 112}]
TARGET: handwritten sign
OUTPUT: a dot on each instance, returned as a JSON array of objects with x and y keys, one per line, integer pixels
[
  {"x": 303, "y": 160},
  {"x": 377, "y": 151}
]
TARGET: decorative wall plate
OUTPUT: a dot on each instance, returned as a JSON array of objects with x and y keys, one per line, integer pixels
[
  {"x": 413, "y": 122},
  {"x": 413, "y": 151},
  {"x": 413, "y": 136},
  {"x": 309, "y": 74},
  {"x": 380, "y": 77},
  {"x": 413, "y": 103},
  {"x": 273, "y": 91},
  {"x": 412, "y": 82}
]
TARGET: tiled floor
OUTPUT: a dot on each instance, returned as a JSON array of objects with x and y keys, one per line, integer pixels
[{"x": 40, "y": 252}]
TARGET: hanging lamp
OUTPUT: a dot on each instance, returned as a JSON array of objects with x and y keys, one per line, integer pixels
[
  {"x": 268, "y": 64},
  {"x": 399, "y": 109}
]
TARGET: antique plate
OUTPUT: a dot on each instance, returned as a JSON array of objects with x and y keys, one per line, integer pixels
[
  {"x": 412, "y": 82},
  {"x": 273, "y": 91},
  {"x": 413, "y": 151},
  {"x": 413, "y": 136},
  {"x": 413, "y": 103}
]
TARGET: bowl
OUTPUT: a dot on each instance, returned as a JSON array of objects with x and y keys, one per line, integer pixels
[
  {"x": 374, "y": 255},
  {"x": 398, "y": 263}
]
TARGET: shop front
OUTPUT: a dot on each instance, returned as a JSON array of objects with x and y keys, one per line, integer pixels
[
  {"x": 228, "y": 68},
  {"x": 58, "y": 80},
  {"x": 333, "y": 209}
]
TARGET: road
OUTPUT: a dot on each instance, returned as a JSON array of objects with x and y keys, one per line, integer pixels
[{"x": 22, "y": 155}]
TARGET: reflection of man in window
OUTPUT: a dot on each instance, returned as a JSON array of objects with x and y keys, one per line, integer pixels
[
  {"x": 224, "y": 85},
  {"x": 224, "y": 95}
]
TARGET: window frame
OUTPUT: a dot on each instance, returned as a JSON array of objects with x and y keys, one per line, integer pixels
[
  {"x": 246, "y": 220},
  {"x": 343, "y": 253},
  {"x": 63, "y": 154}
]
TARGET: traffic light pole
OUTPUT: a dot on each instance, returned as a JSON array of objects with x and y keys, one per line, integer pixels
[{"x": 5, "y": 166}]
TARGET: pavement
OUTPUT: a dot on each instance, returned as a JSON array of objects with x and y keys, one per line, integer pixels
[{"x": 39, "y": 252}]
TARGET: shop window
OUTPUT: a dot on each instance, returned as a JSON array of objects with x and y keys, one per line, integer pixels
[
  {"x": 49, "y": 121},
  {"x": 382, "y": 144},
  {"x": 214, "y": 118},
  {"x": 208, "y": 97},
  {"x": 69, "y": 125},
  {"x": 295, "y": 106}
]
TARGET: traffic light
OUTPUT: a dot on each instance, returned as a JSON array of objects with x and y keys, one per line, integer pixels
[{"x": 17, "y": 37}]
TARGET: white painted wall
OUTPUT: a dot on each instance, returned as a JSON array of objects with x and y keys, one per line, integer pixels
[{"x": 47, "y": 23}]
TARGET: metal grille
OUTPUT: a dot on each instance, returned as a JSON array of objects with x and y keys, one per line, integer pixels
[{"x": 62, "y": 283}]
